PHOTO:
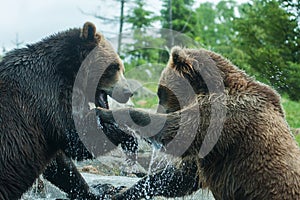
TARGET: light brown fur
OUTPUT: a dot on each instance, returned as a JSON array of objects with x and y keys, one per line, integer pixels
[{"x": 255, "y": 156}]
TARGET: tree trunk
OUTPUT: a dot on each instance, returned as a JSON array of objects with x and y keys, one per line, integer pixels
[{"x": 121, "y": 26}]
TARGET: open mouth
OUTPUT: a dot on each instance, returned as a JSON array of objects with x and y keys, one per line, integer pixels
[{"x": 101, "y": 99}]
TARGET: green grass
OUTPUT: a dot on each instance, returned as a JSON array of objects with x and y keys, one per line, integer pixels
[
  {"x": 298, "y": 139},
  {"x": 145, "y": 103},
  {"x": 152, "y": 87},
  {"x": 292, "y": 111}
]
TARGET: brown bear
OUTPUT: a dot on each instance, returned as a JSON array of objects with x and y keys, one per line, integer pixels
[
  {"x": 231, "y": 135},
  {"x": 36, "y": 114}
]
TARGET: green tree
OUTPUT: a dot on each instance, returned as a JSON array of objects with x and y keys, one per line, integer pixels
[
  {"x": 293, "y": 7},
  {"x": 206, "y": 30},
  {"x": 214, "y": 25},
  {"x": 266, "y": 33},
  {"x": 225, "y": 16},
  {"x": 214, "y": 29},
  {"x": 179, "y": 16},
  {"x": 141, "y": 54},
  {"x": 139, "y": 17}
]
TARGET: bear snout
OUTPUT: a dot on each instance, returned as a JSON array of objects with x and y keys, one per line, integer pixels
[{"x": 121, "y": 95}]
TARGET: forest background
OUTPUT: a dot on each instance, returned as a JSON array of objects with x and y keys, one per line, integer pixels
[{"x": 261, "y": 37}]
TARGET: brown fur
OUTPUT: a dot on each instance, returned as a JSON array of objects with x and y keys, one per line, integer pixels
[
  {"x": 38, "y": 133},
  {"x": 255, "y": 157}
]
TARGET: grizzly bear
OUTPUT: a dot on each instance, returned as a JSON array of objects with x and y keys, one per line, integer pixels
[
  {"x": 231, "y": 135},
  {"x": 36, "y": 118}
]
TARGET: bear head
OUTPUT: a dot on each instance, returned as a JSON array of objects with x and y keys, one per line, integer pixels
[
  {"x": 100, "y": 67},
  {"x": 189, "y": 73}
]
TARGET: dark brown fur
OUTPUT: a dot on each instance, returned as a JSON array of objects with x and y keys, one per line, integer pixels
[
  {"x": 255, "y": 157},
  {"x": 36, "y": 119}
]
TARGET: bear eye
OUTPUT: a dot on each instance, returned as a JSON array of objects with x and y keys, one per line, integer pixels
[{"x": 114, "y": 67}]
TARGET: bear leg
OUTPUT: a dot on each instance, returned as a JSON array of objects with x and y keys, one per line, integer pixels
[
  {"x": 63, "y": 173},
  {"x": 171, "y": 182},
  {"x": 74, "y": 147}
]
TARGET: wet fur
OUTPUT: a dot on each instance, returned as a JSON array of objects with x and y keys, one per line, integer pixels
[
  {"x": 36, "y": 121},
  {"x": 256, "y": 156}
]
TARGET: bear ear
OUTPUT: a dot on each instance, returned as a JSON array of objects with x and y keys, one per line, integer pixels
[
  {"x": 88, "y": 31},
  {"x": 180, "y": 60},
  {"x": 178, "y": 55}
]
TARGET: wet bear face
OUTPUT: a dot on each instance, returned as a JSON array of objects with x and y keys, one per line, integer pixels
[
  {"x": 180, "y": 81},
  {"x": 104, "y": 66}
]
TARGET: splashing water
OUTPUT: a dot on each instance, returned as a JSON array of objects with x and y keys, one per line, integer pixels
[
  {"x": 46, "y": 192},
  {"x": 157, "y": 161},
  {"x": 153, "y": 156}
]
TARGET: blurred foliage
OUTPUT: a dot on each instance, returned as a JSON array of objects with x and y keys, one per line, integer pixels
[
  {"x": 140, "y": 102},
  {"x": 268, "y": 34},
  {"x": 292, "y": 112},
  {"x": 260, "y": 36},
  {"x": 140, "y": 54},
  {"x": 180, "y": 18},
  {"x": 298, "y": 139},
  {"x": 214, "y": 27}
]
